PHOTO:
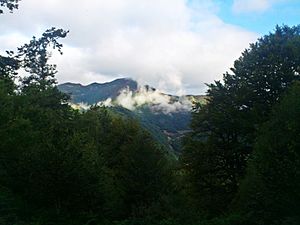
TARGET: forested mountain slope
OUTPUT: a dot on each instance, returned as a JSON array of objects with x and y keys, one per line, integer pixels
[{"x": 166, "y": 117}]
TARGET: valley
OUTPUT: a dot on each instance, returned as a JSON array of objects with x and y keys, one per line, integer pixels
[{"x": 166, "y": 117}]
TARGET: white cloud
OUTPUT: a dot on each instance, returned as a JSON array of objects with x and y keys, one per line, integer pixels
[
  {"x": 241, "y": 6},
  {"x": 165, "y": 43},
  {"x": 157, "y": 101}
]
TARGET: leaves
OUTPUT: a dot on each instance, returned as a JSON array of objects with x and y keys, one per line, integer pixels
[
  {"x": 9, "y": 4},
  {"x": 270, "y": 189},
  {"x": 34, "y": 58},
  {"x": 237, "y": 107}
]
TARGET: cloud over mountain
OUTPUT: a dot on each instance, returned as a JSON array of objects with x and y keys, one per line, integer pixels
[
  {"x": 172, "y": 43},
  {"x": 157, "y": 101}
]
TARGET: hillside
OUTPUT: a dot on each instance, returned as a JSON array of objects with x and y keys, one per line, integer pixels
[
  {"x": 166, "y": 117},
  {"x": 95, "y": 92}
]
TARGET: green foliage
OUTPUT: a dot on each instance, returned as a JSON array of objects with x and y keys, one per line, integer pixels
[
  {"x": 167, "y": 129},
  {"x": 73, "y": 163},
  {"x": 95, "y": 92},
  {"x": 61, "y": 166},
  {"x": 8, "y": 66},
  {"x": 270, "y": 192},
  {"x": 216, "y": 152},
  {"x": 65, "y": 164},
  {"x": 9, "y": 4},
  {"x": 34, "y": 58}
]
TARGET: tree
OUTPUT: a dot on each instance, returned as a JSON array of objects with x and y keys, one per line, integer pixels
[
  {"x": 68, "y": 163},
  {"x": 8, "y": 68},
  {"x": 140, "y": 168},
  {"x": 270, "y": 192},
  {"x": 10, "y": 4},
  {"x": 34, "y": 58},
  {"x": 236, "y": 107},
  {"x": 34, "y": 118},
  {"x": 135, "y": 167}
]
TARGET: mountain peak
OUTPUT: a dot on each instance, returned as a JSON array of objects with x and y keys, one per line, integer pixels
[{"x": 96, "y": 92}]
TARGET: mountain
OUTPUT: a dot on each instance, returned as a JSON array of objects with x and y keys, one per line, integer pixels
[
  {"x": 96, "y": 92},
  {"x": 166, "y": 117}
]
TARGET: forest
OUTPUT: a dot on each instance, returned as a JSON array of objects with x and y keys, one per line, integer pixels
[{"x": 239, "y": 165}]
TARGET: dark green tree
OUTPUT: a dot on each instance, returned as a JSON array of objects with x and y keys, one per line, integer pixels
[
  {"x": 225, "y": 128},
  {"x": 9, "y": 4},
  {"x": 140, "y": 166},
  {"x": 135, "y": 167},
  {"x": 8, "y": 68},
  {"x": 69, "y": 164},
  {"x": 34, "y": 58},
  {"x": 270, "y": 192}
]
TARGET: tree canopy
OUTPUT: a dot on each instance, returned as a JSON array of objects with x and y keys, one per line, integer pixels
[
  {"x": 224, "y": 130},
  {"x": 9, "y": 4},
  {"x": 239, "y": 164},
  {"x": 71, "y": 163},
  {"x": 270, "y": 190}
]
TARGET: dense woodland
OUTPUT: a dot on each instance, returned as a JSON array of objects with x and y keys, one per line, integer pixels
[{"x": 240, "y": 165}]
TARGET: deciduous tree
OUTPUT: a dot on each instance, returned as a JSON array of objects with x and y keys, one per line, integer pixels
[{"x": 236, "y": 107}]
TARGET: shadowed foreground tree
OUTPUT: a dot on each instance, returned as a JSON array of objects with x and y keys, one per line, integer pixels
[
  {"x": 65, "y": 164},
  {"x": 9, "y": 4},
  {"x": 216, "y": 151},
  {"x": 61, "y": 166},
  {"x": 34, "y": 59},
  {"x": 270, "y": 192}
]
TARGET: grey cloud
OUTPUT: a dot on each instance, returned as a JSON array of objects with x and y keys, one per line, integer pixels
[
  {"x": 158, "y": 102},
  {"x": 164, "y": 43}
]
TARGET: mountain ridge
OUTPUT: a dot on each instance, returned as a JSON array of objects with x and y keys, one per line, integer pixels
[
  {"x": 123, "y": 84},
  {"x": 95, "y": 92},
  {"x": 166, "y": 117}
]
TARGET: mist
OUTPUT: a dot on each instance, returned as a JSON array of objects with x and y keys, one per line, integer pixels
[{"x": 157, "y": 101}]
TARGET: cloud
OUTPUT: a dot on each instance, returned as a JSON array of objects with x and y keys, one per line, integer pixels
[
  {"x": 157, "y": 101},
  {"x": 241, "y": 6},
  {"x": 80, "y": 106},
  {"x": 168, "y": 44}
]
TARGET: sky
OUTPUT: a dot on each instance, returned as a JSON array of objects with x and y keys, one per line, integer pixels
[{"x": 174, "y": 45}]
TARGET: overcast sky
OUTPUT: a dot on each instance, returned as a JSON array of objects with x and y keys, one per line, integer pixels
[{"x": 173, "y": 45}]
